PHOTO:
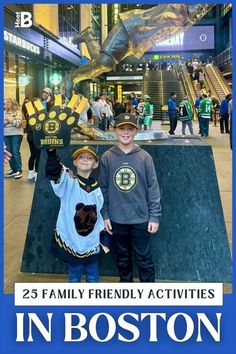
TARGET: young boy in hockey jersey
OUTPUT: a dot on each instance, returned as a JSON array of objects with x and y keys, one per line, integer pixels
[
  {"x": 147, "y": 112},
  {"x": 140, "y": 110},
  {"x": 131, "y": 193},
  {"x": 186, "y": 115},
  {"x": 79, "y": 222}
]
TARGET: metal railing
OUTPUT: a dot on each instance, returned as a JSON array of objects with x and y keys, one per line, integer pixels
[
  {"x": 224, "y": 57},
  {"x": 210, "y": 85},
  {"x": 188, "y": 86}
]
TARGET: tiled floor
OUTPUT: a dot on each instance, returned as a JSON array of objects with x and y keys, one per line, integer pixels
[{"x": 18, "y": 196}]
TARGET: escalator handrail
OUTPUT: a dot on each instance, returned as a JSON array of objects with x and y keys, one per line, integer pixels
[
  {"x": 189, "y": 87},
  {"x": 221, "y": 80},
  {"x": 211, "y": 85},
  {"x": 217, "y": 79}
]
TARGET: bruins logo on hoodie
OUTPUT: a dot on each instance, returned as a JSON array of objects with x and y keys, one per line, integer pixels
[{"x": 125, "y": 178}]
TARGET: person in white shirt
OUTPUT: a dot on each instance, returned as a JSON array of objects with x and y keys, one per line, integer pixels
[
  {"x": 104, "y": 112},
  {"x": 95, "y": 112},
  {"x": 83, "y": 115}
]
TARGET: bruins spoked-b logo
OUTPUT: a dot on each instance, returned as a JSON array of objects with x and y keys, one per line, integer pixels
[
  {"x": 125, "y": 178},
  {"x": 51, "y": 127}
]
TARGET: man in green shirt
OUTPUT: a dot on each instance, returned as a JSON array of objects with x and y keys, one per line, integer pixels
[{"x": 205, "y": 108}]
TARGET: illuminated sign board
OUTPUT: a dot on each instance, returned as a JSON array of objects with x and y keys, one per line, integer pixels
[
  {"x": 119, "y": 92},
  {"x": 21, "y": 43},
  {"x": 124, "y": 78},
  {"x": 196, "y": 38},
  {"x": 166, "y": 56}
]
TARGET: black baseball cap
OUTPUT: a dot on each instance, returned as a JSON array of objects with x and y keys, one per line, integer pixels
[
  {"x": 125, "y": 118},
  {"x": 83, "y": 149}
]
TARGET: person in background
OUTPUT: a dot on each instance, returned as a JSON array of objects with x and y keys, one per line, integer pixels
[
  {"x": 201, "y": 78},
  {"x": 209, "y": 95},
  {"x": 140, "y": 112},
  {"x": 147, "y": 111},
  {"x": 118, "y": 108},
  {"x": 230, "y": 122},
  {"x": 224, "y": 114},
  {"x": 172, "y": 111},
  {"x": 110, "y": 112},
  {"x": 95, "y": 112},
  {"x": 33, "y": 162},
  {"x": 205, "y": 108},
  {"x": 151, "y": 115},
  {"x": 134, "y": 100},
  {"x": 104, "y": 112},
  {"x": 129, "y": 107},
  {"x": 47, "y": 98},
  {"x": 215, "y": 105},
  {"x": 13, "y": 135},
  {"x": 190, "y": 70},
  {"x": 196, "y": 78},
  {"x": 90, "y": 115},
  {"x": 196, "y": 105},
  {"x": 186, "y": 115}
]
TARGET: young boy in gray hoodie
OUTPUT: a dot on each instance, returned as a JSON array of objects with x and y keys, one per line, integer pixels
[{"x": 131, "y": 194}]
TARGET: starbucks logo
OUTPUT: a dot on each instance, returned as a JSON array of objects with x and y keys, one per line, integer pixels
[{"x": 125, "y": 179}]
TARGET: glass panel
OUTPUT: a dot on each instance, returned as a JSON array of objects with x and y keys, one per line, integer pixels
[
  {"x": 10, "y": 76},
  {"x": 69, "y": 15},
  {"x": 96, "y": 21}
]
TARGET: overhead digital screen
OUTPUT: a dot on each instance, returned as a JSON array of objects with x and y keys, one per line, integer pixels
[{"x": 196, "y": 38}]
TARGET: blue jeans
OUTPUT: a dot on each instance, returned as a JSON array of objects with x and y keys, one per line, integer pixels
[
  {"x": 204, "y": 126},
  {"x": 76, "y": 270},
  {"x": 13, "y": 143}
]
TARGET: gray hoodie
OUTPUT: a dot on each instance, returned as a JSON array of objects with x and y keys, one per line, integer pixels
[{"x": 129, "y": 185}]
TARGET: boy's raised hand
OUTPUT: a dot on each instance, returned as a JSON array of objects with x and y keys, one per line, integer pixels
[{"x": 53, "y": 129}]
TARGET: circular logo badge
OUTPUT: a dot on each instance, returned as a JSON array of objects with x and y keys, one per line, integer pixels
[
  {"x": 203, "y": 37},
  {"x": 52, "y": 127},
  {"x": 125, "y": 179}
]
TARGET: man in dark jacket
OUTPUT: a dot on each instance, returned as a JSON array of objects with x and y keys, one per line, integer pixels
[
  {"x": 172, "y": 111},
  {"x": 224, "y": 114}
]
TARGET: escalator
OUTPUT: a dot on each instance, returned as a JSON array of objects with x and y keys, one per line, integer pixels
[
  {"x": 158, "y": 85},
  {"x": 216, "y": 81}
]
